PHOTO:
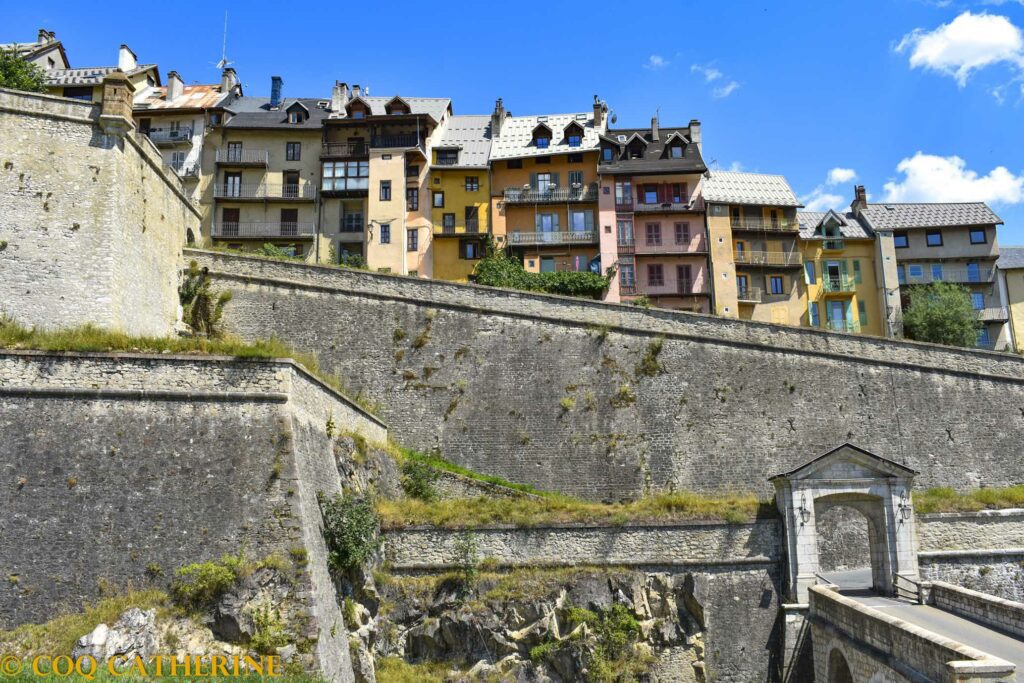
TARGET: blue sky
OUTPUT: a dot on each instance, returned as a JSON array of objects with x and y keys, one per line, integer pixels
[{"x": 919, "y": 100}]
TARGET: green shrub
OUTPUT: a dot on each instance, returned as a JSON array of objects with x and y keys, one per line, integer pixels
[
  {"x": 418, "y": 480},
  {"x": 649, "y": 366},
  {"x": 497, "y": 269},
  {"x": 201, "y": 584},
  {"x": 17, "y": 73},
  {"x": 351, "y": 531},
  {"x": 353, "y": 261},
  {"x": 200, "y": 310},
  {"x": 270, "y": 632}
]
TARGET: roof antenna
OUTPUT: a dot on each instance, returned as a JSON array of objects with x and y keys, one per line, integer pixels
[{"x": 224, "y": 50}]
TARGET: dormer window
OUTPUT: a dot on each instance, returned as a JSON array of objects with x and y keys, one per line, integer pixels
[
  {"x": 542, "y": 136},
  {"x": 636, "y": 150},
  {"x": 294, "y": 117},
  {"x": 574, "y": 134},
  {"x": 575, "y": 139},
  {"x": 542, "y": 142},
  {"x": 358, "y": 114},
  {"x": 607, "y": 154},
  {"x": 297, "y": 113},
  {"x": 397, "y": 106},
  {"x": 676, "y": 152}
]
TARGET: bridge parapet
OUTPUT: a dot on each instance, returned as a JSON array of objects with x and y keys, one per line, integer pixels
[
  {"x": 990, "y": 610},
  {"x": 871, "y": 642}
]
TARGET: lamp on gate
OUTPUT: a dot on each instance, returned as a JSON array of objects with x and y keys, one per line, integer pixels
[
  {"x": 904, "y": 507},
  {"x": 805, "y": 514}
]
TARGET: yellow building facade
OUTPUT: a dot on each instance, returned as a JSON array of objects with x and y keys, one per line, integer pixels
[{"x": 1011, "y": 281}]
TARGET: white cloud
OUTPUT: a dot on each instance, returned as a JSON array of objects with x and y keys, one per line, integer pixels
[
  {"x": 656, "y": 62},
  {"x": 930, "y": 178},
  {"x": 841, "y": 175},
  {"x": 709, "y": 72},
  {"x": 966, "y": 44},
  {"x": 726, "y": 90}
]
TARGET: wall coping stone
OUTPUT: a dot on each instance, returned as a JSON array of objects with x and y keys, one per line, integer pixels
[
  {"x": 595, "y": 526},
  {"x": 186, "y": 358},
  {"x": 969, "y": 514},
  {"x": 986, "y": 552},
  {"x": 435, "y": 567},
  {"x": 432, "y": 292},
  {"x": 149, "y": 395}
]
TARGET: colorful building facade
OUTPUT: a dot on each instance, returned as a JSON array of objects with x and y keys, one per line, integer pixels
[{"x": 1011, "y": 281}]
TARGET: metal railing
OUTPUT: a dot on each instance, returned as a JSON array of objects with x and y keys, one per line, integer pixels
[
  {"x": 242, "y": 156},
  {"x": 517, "y": 237},
  {"x": 905, "y": 587},
  {"x": 691, "y": 287},
  {"x": 850, "y": 326},
  {"x": 833, "y": 245},
  {"x": 170, "y": 137},
  {"x": 948, "y": 275},
  {"x": 768, "y": 225},
  {"x": 992, "y": 314},
  {"x": 838, "y": 284},
  {"x": 627, "y": 290},
  {"x": 473, "y": 225},
  {"x": 344, "y": 149},
  {"x": 768, "y": 258},
  {"x": 407, "y": 140},
  {"x": 255, "y": 230},
  {"x": 186, "y": 170},
  {"x": 750, "y": 294},
  {"x": 264, "y": 191},
  {"x": 522, "y": 195},
  {"x": 641, "y": 207},
  {"x": 447, "y": 160}
]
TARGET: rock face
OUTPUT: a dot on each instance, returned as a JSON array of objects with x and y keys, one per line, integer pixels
[
  {"x": 565, "y": 626},
  {"x": 133, "y": 635},
  {"x": 232, "y": 618}
]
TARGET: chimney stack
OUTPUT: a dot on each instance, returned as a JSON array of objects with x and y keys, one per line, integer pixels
[
  {"x": 356, "y": 91},
  {"x": 339, "y": 98},
  {"x": 860, "y": 198},
  {"x": 654, "y": 128},
  {"x": 45, "y": 36},
  {"x": 126, "y": 59},
  {"x": 228, "y": 80},
  {"x": 497, "y": 118},
  {"x": 276, "y": 83},
  {"x": 695, "y": 135},
  {"x": 599, "y": 109},
  {"x": 175, "y": 86}
]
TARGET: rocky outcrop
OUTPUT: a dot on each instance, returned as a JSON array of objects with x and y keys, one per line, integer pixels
[{"x": 133, "y": 635}]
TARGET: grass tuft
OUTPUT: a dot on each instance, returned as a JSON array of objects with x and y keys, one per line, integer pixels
[{"x": 945, "y": 499}]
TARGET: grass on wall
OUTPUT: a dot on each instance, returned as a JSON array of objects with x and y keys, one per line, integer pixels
[{"x": 948, "y": 500}]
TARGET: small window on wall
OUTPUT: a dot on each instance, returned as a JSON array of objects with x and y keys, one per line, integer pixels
[
  {"x": 385, "y": 233},
  {"x": 978, "y": 300},
  {"x": 385, "y": 190},
  {"x": 412, "y": 198},
  {"x": 682, "y": 233},
  {"x": 438, "y": 200},
  {"x": 901, "y": 240},
  {"x": 575, "y": 158},
  {"x": 809, "y": 269},
  {"x": 470, "y": 250},
  {"x": 978, "y": 236},
  {"x": 862, "y": 313},
  {"x": 514, "y": 163},
  {"x": 776, "y": 285},
  {"x": 412, "y": 240},
  {"x": 293, "y": 151},
  {"x": 812, "y": 314},
  {"x": 655, "y": 275},
  {"x": 472, "y": 183},
  {"x": 934, "y": 238}
]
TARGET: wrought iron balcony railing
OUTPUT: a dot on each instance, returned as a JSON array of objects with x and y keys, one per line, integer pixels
[
  {"x": 838, "y": 284},
  {"x": 749, "y": 294},
  {"x": 528, "y": 195},
  {"x": 344, "y": 149},
  {"x": 241, "y": 157},
  {"x": 768, "y": 258},
  {"x": 305, "y": 191},
  {"x": 849, "y": 326},
  {"x": 252, "y": 230},
  {"x": 171, "y": 137},
  {"x": 405, "y": 140},
  {"x": 928, "y": 275},
  {"x": 767, "y": 225},
  {"x": 519, "y": 238},
  {"x": 691, "y": 287},
  {"x": 833, "y": 245}
]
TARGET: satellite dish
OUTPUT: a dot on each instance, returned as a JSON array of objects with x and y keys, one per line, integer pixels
[{"x": 615, "y": 118}]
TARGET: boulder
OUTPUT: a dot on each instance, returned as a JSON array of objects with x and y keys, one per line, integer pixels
[{"x": 133, "y": 635}]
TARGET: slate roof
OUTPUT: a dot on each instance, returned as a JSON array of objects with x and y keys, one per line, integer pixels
[
  {"x": 88, "y": 75},
  {"x": 849, "y": 226},
  {"x": 653, "y": 160},
  {"x": 435, "y": 107},
  {"x": 192, "y": 97},
  {"x": 255, "y": 112},
  {"x": 472, "y": 136},
  {"x": 516, "y": 137},
  {"x": 1010, "y": 258},
  {"x": 895, "y": 216},
  {"x": 731, "y": 187}
]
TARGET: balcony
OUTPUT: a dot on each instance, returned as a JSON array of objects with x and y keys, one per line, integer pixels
[
  {"x": 167, "y": 138},
  {"x": 527, "y": 195},
  {"x": 688, "y": 287},
  {"x": 186, "y": 170},
  {"x": 407, "y": 140},
  {"x": 838, "y": 285},
  {"x": 992, "y": 315},
  {"x": 662, "y": 207},
  {"x": 263, "y": 230},
  {"x": 762, "y": 225},
  {"x": 242, "y": 157},
  {"x": 626, "y": 245},
  {"x": 833, "y": 245},
  {"x": 848, "y": 326},
  {"x": 781, "y": 259},
  {"x": 344, "y": 149},
  {"x": 962, "y": 275},
  {"x": 749, "y": 295},
  {"x": 302, "y": 193},
  {"x": 519, "y": 238},
  {"x": 471, "y": 228}
]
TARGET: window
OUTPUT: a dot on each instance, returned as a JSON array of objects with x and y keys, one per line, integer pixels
[
  {"x": 857, "y": 277},
  {"x": 385, "y": 190},
  {"x": 448, "y": 222},
  {"x": 412, "y": 198},
  {"x": 623, "y": 193},
  {"x": 742, "y": 286},
  {"x": 576, "y": 180},
  {"x": 809, "y": 272},
  {"x": 470, "y": 250},
  {"x": 543, "y": 182},
  {"x": 983, "y": 338},
  {"x": 358, "y": 114},
  {"x": 385, "y": 233},
  {"x": 654, "y": 234},
  {"x": 978, "y": 300},
  {"x": 812, "y": 314},
  {"x": 472, "y": 183},
  {"x": 627, "y": 275},
  {"x": 678, "y": 193},
  {"x": 650, "y": 194},
  {"x": 293, "y": 151},
  {"x": 901, "y": 275},
  {"x": 412, "y": 171},
  {"x": 676, "y": 152},
  {"x": 575, "y": 140},
  {"x": 901, "y": 240},
  {"x": 542, "y": 161},
  {"x": 472, "y": 219},
  {"x": 215, "y": 118},
  {"x": 581, "y": 221},
  {"x": 862, "y": 313},
  {"x": 937, "y": 272},
  {"x": 776, "y": 284},
  {"x": 575, "y": 158},
  {"x": 607, "y": 154},
  {"x": 289, "y": 222},
  {"x": 79, "y": 93},
  {"x": 624, "y": 229},
  {"x": 933, "y": 238},
  {"x": 978, "y": 236},
  {"x": 543, "y": 142},
  {"x": 178, "y": 160},
  {"x": 514, "y": 163},
  {"x": 412, "y": 240},
  {"x": 438, "y": 200},
  {"x": 352, "y": 221},
  {"x": 295, "y": 117},
  {"x": 682, "y": 233},
  {"x": 973, "y": 272},
  {"x": 447, "y": 157},
  {"x": 290, "y": 184},
  {"x": 916, "y": 271},
  {"x": 345, "y": 175},
  {"x": 655, "y": 275}
]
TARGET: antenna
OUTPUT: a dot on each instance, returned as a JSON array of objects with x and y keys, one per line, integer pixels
[{"x": 224, "y": 50}]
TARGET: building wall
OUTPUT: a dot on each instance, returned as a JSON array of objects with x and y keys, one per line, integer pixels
[
  {"x": 419, "y": 260},
  {"x": 446, "y": 259},
  {"x": 391, "y": 257},
  {"x": 865, "y": 291},
  {"x": 1015, "y": 302},
  {"x": 735, "y": 403},
  {"x": 96, "y": 238},
  {"x": 723, "y": 262}
]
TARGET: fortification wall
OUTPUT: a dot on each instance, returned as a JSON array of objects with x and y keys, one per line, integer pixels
[
  {"x": 482, "y": 373},
  {"x": 118, "y": 464},
  {"x": 91, "y": 225}
]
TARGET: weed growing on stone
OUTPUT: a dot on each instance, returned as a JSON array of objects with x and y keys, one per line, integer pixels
[
  {"x": 418, "y": 479},
  {"x": 625, "y": 396},
  {"x": 947, "y": 500},
  {"x": 649, "y": 366},
  {"x": 351, "y": 531}
]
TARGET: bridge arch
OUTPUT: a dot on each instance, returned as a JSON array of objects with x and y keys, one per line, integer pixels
[
  {"x": 851, "y": 477},
  {"x": 838, "y": 669}
]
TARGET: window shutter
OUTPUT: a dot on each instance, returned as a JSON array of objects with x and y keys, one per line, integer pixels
[
  {"x": 556, "y": 181},
  {"x": 856, "y": 273},
  {"x": 554, "y": 222},
  {"x": 686, "y": 192},
  {"x": 863, "y": 312},
  {"x": 533, "y": 181},
  {"x": 536, "y": 222}
]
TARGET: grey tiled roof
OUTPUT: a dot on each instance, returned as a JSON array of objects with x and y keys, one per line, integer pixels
[
  {"x": 255, "y": 112},
  {"x": 654, "y": 158},
  {"x": 516, "y": 137},
  {"x": 435, "y": 107},
  {"x": 883, "y": 216},
  {"x": 731, "y": 187},
  {"x": 472, "y": 136},
  {"x": 87, "y": 75},
  {"x": 1010, "y": 257},
  {"x": 849, "y": 226}
]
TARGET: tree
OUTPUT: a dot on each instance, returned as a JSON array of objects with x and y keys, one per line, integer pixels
[
  {"x": 17, "y": 74},
  {"x": 201, "y": 310},
  {"x": 941, "y": 313}
]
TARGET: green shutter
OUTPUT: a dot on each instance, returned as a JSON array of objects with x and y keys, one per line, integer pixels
[
  {"x": 863, "y": 312},
  {"x": 555, "y": 181},
  {"x": 533, "y": 181},
  {"x": 856, "y": 272}
]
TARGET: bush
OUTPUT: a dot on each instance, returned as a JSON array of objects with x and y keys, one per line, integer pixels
[
  {"x": 353, "y": 261},
  {"x": 351, "y": 531},
  {"x": 200, "y": 584},
  {"x": 497, "y": 269},
  {"x": 269, "y": 633},
  {"x": 276, "y": 252},
  {"x": 19, "y": 74},
  {"x": 941, "y": 313},
  {"x": 201, "y": 311},
  {"x": 418, "y": 480}
]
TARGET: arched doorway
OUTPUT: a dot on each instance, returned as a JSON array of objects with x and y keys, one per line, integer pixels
[
  {"x": 838, "y": 669},
  {"x": 852, "y": 544}
]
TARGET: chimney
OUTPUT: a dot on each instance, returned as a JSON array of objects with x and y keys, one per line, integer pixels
[
  {"x": 356, "y": 91},
  {"x": 695, "y": 135},
  {"x": 654, "y": 128},
  {"x": 860, "y": 199},
  {"x": 339, "y": 98},
  {"x": 45, "y": 36},
  {"x": 175, "y": 86},
  {"x": 276, "y": 84},
  {"x": 599, "y": 109},
  {"x": 228, "y": 80},
  {"x": 497, "y": 118},
  {"x": 126, "y": 59}
]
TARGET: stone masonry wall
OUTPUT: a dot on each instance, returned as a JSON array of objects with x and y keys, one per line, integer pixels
[
  {"x": 91, "y": 225},
  {"x": 481, "y": 374},
  {"x": 1003, "y": 614}
]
